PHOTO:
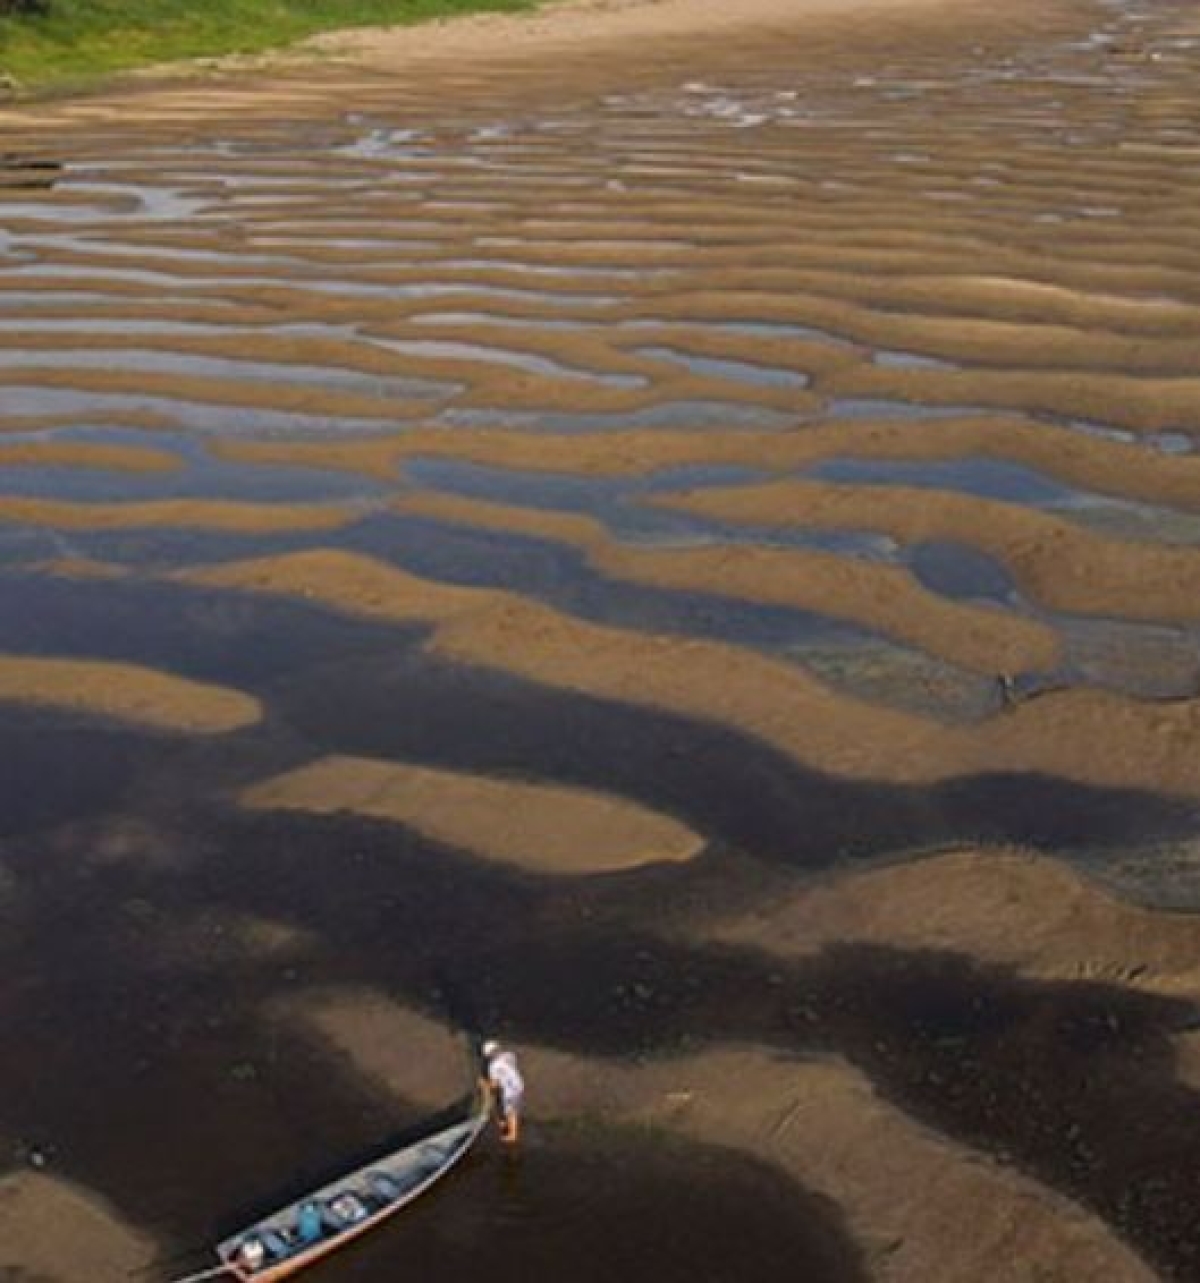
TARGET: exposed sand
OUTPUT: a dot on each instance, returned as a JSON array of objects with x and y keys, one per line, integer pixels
[
  {"x": 1011, "y": 907},
  {"x": 921, "y": 1207},
  {"x": 205, "y": 514},
  {"x": 128, "y": 693},
  {"x": 608, "y": 240},
  {"x": 1104, "y": 466},
  {"x": 1058, "y": 563},
  {"x": 589, "y": 24},
  {"x": 60, "y": 454},
  {"x": 572, "y": 29},
  {"x": 879, "y": 596},
  {"x": 1145, "y": 746},
  {"x": 53, "y": 1232},
  {"x": 543, "y": 828}
]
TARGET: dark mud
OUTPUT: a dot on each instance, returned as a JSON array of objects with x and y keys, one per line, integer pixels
[{"x": 673, "y": 276}]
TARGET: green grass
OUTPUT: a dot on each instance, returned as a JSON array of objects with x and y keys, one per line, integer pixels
[{"x": 74, "y": 41}]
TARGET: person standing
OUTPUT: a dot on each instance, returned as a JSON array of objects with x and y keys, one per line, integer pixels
[{"x": 507, "y": 1088}]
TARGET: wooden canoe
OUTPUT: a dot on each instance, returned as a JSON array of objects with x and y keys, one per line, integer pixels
[{"x": 350, "y": 1207}]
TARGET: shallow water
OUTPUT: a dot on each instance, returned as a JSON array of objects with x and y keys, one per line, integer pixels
[{"x": 789, "y": 211}]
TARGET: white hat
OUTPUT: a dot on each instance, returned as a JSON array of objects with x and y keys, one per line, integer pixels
[{"x": 490, "y": 1048}]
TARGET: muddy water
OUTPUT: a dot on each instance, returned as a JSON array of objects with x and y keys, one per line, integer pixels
[{"x": 659, "y": 280}]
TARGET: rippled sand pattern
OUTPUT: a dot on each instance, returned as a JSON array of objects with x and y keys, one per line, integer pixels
[
  {"x": 770, "y": 268},
  {"x": 790, "y": 438}
]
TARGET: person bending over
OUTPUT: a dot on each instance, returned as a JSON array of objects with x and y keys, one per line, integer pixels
[{"x": 507, "y": 1089}]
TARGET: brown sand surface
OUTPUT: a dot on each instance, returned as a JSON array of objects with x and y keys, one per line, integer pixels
[
  {"x": 1004, "y": 906},
  {"x": 127, "y": 692},
  {"x": 544, "y": 828},
  {"x": 280, "y": 396},
  {"x": 1104, "y": 466},
  {"x": 51, "y": 1231},
  {"x": 921, "y": 1206},
  {"x": 1146, "y": 746},
  {"x": 22, "y": 423},
  {"x": 587, "y": 24},
  {"x": 878, "y": 596},
  {"x": 205, "y": 514},
  {"x": 608, "y": 240},
  {"x": 61, "y": 454},
  {"x": 308, "y": 76},
  {"x": 1057, "y": 562}
]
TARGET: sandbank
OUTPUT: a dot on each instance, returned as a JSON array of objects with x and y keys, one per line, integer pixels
[
  {"x": 55, "y": 1232},
  {"x": 1010, "y": 907},
  {"x": 877, "y": 596},
  {"x": 539, "y": 827},
  {"x": 205, "y": 514},
  {"x": 127, "y": 693},
  {"x": 1058, "y": 562},
  {"x": 78, "y": 454},
  {"x": 1083, "y": 735}
]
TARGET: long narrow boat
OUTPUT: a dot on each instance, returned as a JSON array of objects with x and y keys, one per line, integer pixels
[{"x": 317, "y": 1225}]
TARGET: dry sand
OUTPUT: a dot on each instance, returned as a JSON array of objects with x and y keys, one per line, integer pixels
[
  {"x": 307, "y": 77},
  {"x": 204, "y": 514},
  {"x": 61, "y": 454},
  {"x": 1009, "y": 907},
  {"x": 590, "y": 24},
  {"x": 544, "y": 828},
  {"x": 128, "y": 693}
]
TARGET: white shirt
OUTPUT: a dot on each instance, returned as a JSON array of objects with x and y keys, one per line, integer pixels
[{"x": 505, "y": 1077}]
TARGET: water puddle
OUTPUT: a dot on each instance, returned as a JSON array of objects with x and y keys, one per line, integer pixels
[
  {"x": 669, "y": 414},
  {"x": 436, "y": 349},
  {"x": 1006, "y": 482},
  {"x": 198, "y": 416},
  {"x": 559, "y": 575},
  {"x": 962, "y": 573},
  {"x": 226, "y": 369},
  {"x": 1143, "y": 661},
  {"x": 200, "y": 476},
  {"x": 879, "y": 408},
  {"x": 766, "y": 376},
  {"x": 311, "y": 284},
  {"x": 909, "y": 361}
]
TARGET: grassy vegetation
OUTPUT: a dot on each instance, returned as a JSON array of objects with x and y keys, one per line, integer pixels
[{"x": 48, "y": 42}]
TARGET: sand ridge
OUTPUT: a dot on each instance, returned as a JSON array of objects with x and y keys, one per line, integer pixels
[
  {"x": 756, "y": 694},
  {"x": 48, "y": 1227},
  {"x": 1062, "y": 565},
  {"x": 128, "y": 693},
  {"x": 536, "y": 826},
  {"x": 548, "y": 364},
  {"x": 879, "y": 596}
]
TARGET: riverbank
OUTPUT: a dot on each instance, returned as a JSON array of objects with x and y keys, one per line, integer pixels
[
  {"x": 89, "y": 47},
  {"x": 73, "y": 44}
]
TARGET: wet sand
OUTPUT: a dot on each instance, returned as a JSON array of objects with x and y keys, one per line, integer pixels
[
  {"x": 1063, "y": 566},
  {"x": 126, "y": 692},
  {"x": 817, "y": 1118},
  {"x": 529, "y": 825},
  {"x": 52, "y": 1231},
  {"x": 776, "y": 703},
  {"x": 666, "y": 532}
]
